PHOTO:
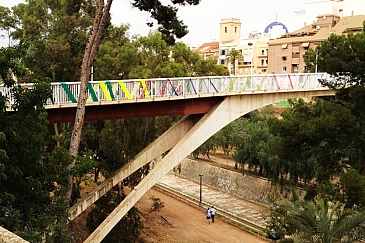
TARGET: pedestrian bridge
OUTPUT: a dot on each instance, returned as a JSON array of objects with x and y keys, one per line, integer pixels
[
  {"x": 118, "y": 99},
  {"x": 209, "y": 103}
]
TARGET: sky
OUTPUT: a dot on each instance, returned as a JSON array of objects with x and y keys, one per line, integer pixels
[{"x": 203, "y": 20}]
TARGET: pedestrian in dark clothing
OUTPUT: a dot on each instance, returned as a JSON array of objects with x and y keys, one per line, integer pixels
[
  {"x": 208, "y": 214},
  {"x": 212, "y": 212}
]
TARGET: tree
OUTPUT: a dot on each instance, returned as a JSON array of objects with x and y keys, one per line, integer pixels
[
  {"x": 234, "y": 56},
  {"x": 7, "y": 21},
  {"x": 57, "y": 32},
  {"x": 310, "y": 58},
  {"x": 320, "y": 221},
  {"x": 170, "y": 27},
  {"x": 352, "y": 185},
  {"x": 32, "y": 175},
  {"x": 114, "y": 58},
  {"x": 208, "y": 146},
  {"x": 315, "y": 138}
]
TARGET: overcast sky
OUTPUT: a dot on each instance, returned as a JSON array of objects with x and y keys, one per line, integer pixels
[{"x": 203, "y": 20}]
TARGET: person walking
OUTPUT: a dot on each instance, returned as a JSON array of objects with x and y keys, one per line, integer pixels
[
  {"x": 212, "y": 212},
  {"x": 208, "y": 214}
]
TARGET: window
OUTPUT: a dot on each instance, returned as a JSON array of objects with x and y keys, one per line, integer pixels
[
  {"x": 262, "y": 52},
  {"x": 262, "y": 62},
  {"x": 263, "y": 70},
  {"x": 284, "y": 58},
  {"x": 225, "y": 29},
  {"x": 235, "y": 29},
  {"x": 223, "y": 52},
  {"x": 222, "y": 61},
  {"x": 295, "y": 68},
  {"x": 283, "y": 69}
]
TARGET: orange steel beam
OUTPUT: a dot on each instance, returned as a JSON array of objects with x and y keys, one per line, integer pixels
[{"x": 136, "y": 109}]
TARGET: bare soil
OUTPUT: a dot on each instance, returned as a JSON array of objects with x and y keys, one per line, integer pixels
[{"x": 188, "y": 223}]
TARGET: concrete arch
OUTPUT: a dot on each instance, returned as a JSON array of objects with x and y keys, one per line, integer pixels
[{"x": 231, "y": 108}]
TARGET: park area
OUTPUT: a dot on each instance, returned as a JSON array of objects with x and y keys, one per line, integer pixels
[{"x": 188, "y": 223}]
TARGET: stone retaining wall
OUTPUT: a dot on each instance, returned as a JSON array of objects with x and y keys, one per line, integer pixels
[{"x": 248, "y": 187}]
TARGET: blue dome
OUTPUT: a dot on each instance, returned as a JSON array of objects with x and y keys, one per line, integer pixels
[{"x": 270, "y": 26}]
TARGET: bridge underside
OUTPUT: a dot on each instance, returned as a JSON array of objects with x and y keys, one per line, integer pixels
[
  {"x": 187, "y": 135},
  {"x": 110, "y": 111}
]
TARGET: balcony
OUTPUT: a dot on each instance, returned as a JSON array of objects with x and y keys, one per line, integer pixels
[{"x": 261, "y": 66}]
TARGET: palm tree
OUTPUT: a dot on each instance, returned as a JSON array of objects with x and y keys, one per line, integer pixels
[
  {"x": 232, "y": 57},
  {"x": 320, "y": 222}
]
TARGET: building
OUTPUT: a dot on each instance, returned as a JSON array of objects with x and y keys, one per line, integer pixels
[
  {"x": 230, "y": 30},
  {"x": 340, "y": 8},
  {"x": 253, "y": 48},
  {"x": 286, "y": 54},
  {"x": 208, "y": 50}
]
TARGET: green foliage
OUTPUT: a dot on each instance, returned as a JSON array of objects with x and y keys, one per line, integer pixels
[
  {"x": 7, "y": 21},
  {"x": 310, "y": 59},
  {"x": 352, "y": 184},
  {"x": 32, "y": 178},
  {"x": 114, "y": 57},
  {"x": 208, "y": 146},
  {"x": 314, "y": 138},
  {"x": 255, "y": 147},
  {"x": 57, "y": 32},
  {"x": 10, "y": 65},
  {"x": 233, "y": 56},
  {"x": 319, "y": 221},
  {"x": 169, "y": 24},
  {"x": 229, "y": 136}
]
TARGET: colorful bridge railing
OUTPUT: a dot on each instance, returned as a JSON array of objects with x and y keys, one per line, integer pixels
[{"x": 116, "y": 90}]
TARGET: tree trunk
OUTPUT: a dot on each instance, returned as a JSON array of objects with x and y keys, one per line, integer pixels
[{"x": 102, "y": 15}]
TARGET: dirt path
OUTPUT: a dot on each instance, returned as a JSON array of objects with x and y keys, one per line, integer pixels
[{"x": 189, "y": 224}]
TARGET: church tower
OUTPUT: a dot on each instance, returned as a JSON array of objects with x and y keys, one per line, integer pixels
[{"x": 230, "y": 29}]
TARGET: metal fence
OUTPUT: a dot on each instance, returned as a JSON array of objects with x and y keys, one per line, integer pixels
[{"x": 117, "y": 90}]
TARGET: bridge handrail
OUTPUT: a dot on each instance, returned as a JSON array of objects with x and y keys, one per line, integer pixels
[{"x": 153, "y": 88}]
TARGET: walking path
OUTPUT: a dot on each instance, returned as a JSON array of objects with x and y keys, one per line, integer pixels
[{"x": 249, "y": 211}]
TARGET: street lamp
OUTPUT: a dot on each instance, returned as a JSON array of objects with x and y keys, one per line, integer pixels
[
  {"x": 273, "y": 236},
  {"x": 201, "y": 179},
  {"x": 251, "y": 54}
]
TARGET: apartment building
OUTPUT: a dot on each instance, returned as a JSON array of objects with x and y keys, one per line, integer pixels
[
  {"x": 340, "y": 8},
  {"x": 285, "y": 55}
]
